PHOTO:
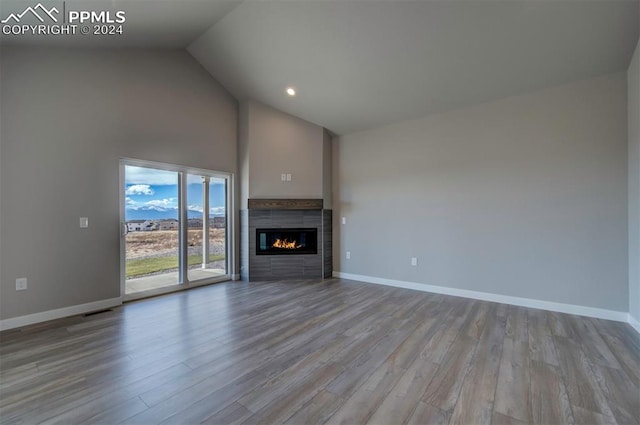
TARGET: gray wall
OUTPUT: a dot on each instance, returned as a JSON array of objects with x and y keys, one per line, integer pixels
[
  {"x": 243, "y": 152},
  {"x": 273, "y": 142},
  {"x": 67, "y": 118},
  {"x": 327, "y": 194},
  {"x": 525, "y": 196},
  {"x": 633, "y": 87}
]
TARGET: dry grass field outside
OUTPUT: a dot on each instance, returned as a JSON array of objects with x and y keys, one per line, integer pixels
[{"x": 157, "y": 251}]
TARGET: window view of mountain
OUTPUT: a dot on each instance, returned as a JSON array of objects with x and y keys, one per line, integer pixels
[{"x": 153, "y": 195}]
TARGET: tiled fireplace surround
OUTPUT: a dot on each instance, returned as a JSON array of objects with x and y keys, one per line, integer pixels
[{"x": 276, "y": 267}]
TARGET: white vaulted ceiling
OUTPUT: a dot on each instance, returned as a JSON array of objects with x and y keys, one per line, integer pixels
[
  {"x": 358, "y": 64},
  {"x": 361, "y": 64}
]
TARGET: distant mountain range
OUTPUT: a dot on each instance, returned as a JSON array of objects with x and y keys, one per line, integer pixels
[{"x": 154, "y": 214}]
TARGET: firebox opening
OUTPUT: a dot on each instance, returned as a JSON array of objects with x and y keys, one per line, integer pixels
[{"x": 286, "y": 241}]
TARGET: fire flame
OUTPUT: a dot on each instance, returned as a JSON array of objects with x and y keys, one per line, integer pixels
[{"x": 285, "y": 244}]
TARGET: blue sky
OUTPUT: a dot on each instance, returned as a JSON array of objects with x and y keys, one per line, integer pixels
[{"x": 151, "y": 193}]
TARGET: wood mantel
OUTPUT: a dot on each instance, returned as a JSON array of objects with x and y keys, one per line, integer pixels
[{"x": 285, "y": 204}]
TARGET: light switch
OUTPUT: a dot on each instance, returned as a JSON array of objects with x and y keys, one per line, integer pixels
[
  {"x": 21, "y": 284},
  {"x": 414, "y": 261},
  {"x": 348, "y": 255},
  {"x": 283, "y": 177},
  {"x": 288, "y": 177},
  {"x": 344, "y": 220},
  {"x": 84, "y": 222}
]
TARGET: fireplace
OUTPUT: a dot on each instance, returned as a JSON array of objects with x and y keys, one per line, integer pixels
[{"x": 286, "y": 241}]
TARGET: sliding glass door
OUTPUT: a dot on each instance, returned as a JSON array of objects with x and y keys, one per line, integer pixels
[{"x": 174, "y": 229}]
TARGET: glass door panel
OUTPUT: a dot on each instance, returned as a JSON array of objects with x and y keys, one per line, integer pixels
[
  {"x": 152, "y": 229},
  {"x": 207, "y": 223}
]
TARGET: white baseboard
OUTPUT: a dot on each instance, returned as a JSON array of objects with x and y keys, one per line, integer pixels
[
  {"x": 599, "y": 313},
  {"x": 635, "y": 324},
  {"x": 30, "y": 319}
]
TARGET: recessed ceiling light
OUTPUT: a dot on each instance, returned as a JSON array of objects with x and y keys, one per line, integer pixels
[{"x": 291, "y": 91}]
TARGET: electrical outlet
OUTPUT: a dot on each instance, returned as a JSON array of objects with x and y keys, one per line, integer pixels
[
  {"x": 84, "y": 222},
  {"x": 414, "y": 261},
  {"x": 348, "y": 255},
  {"x": 21, "y": 284}
]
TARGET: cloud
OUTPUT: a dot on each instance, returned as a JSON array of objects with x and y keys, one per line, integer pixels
[
  {"x": 161, "y": 203},
  {"x": 156, "y": 208},
  {"x": 212, "y": 210},
  {"x": 139, "y": 189},
  {"x": 165, "y": 204},
  {"x": 150, "y": 176}
]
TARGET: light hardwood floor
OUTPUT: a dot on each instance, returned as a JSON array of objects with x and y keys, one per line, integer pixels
[{"x": 330, "y": 351}]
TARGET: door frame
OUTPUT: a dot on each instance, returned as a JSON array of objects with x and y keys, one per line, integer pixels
[{"x": 184, "y": 282}]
